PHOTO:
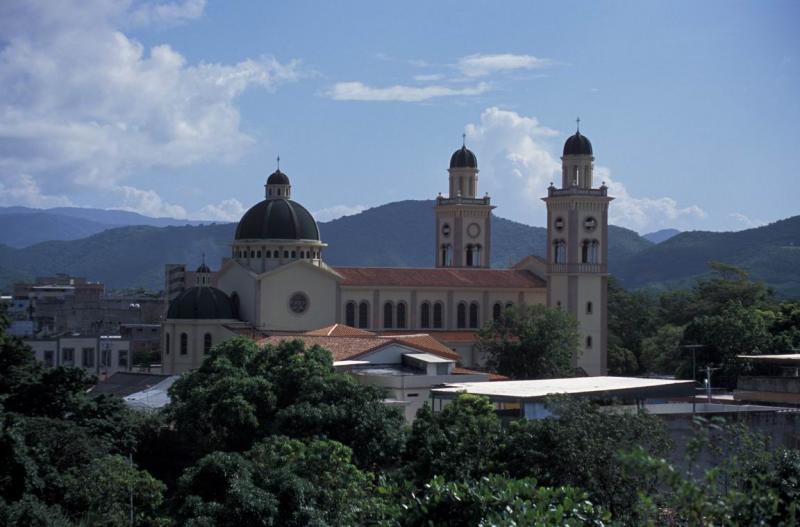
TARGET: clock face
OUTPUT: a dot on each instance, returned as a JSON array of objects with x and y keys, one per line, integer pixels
[
  {"x": 298, "y": 303},
  {"x": 474, "y": 230},
  {"x": 446, "y": 230}
]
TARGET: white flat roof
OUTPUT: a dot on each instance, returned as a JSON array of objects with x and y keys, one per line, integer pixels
[
  {"x": 427, "y": 357},
  {"x": 349, "y": 363},
  {"x": 597, "y": 386},
  {"x": 786, "y": 358}
]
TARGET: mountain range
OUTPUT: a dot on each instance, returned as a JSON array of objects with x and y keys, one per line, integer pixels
[{"x": 396, "y": 234}]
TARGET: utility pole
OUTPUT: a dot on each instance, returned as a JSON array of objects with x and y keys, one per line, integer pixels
[{"x": 694, "y": 348}]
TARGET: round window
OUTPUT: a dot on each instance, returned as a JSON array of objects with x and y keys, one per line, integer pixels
[
  {"x": 559, "y": 224},
  {"x": 473, "y": 230},
  {"x": 590, "y": 224},
  {"x": 298, "y": 303},
  {"x": 446, "y": 229}
]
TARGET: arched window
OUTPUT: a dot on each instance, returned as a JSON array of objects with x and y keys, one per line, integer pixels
[
  {"x": 350, "y": 314},
  {"x": 585, "y": 251},
  {"x": 207, "y": 343},
  {"x": 294, "y": 254},
  {"x": 497, "y": 311},
  {"x": 235, "y": 304},
  {"x": 166, "y": 345},
  {"x": 425, "y": 315},
  {"x": 469, "y": 255},
  {"x": 388, "y": 310},
  {"x": 476, "y": 256},
  {"x": 363, "y": 314},
  {"x": 594, "y": 252},
  {"x": 558, "y": 304},
  {"x": 461, "y": 316},
  {"x": 184, "y": 343},
  {"x": 589, "y": 341},
  {"x": 588, "y": 308},
  {"x": 252, "y": 254},
  {"x": 509, "y": 305},
  {"x": 401, "y": 315},
  {"x": 473, "y": 315},
  {"x": 438, "y": 315},
  {"x": 285, "y": 254},
  {"x": 560, "y": 251}
]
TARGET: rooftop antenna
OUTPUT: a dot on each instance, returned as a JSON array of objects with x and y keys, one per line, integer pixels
[{"x": 578, "y": 121}]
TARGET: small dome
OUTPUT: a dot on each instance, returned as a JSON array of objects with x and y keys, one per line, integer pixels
[
  {"x": 278, "y": 178},
  {"x": 463, "y": 158},
  {"x": 578, "y": 145},
  {"x": 203, "y": 268},
  {"x": 277, "y": 218},
  {"x": 202, "y": 303}
]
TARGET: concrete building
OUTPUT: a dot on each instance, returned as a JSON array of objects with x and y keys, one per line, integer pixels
[
  {"x": 100, "y": 355},
  {"x": 276, "y": 280},
  {"x": 773, "y": 379}
]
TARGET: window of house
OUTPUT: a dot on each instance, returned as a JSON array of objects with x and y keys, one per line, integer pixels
[
  {"x": 441, "y": 369},
  {"x": 473, "y": 315},
  {"x": 497, "y": 311},
  {"x": 184, "y": 343},
  {"x": 401, "y": 315},
  {"x": 438, "y": 315},
  {"x": 425, "y": 315},
  {"x": 294, "y": 254},
  {"x": 388, "y": 309},
  {"x": 589, "y": 341},
  {"x": 461, "y": 316},
  {"x": 122, "y": 359},
  {"x": 363, "y": 315},
  {"x": 588, "y": 308},
  {"x": 166, "y": 345},
  {"x": 207, "y": 343},
  {"x": 105, "y": 358},
  {"x": 509, "y": 305},
  {"x": 48, "y": 358},
  {"x": 350, "y": 314},
  {"x": 88, "y": 357},
  {"x": 68, "y": 355}
]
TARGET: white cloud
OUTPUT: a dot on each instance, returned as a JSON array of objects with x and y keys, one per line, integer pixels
[
  {"x": 230, "y": 209},
  {"x": 148, "y": 203},
  {"x": 480, "y": 65},
  {"x": 429, "y": 78},
  {"x": 337, "y": 211},
  {"x": 23, "y": 190},
  {"x": 645, "y": 214},
  {"x": 746, "y": 221},
  {"x": 517, "y": 162},
  {"x": 83, "y": 106},
  {"x": 358, "y": 91}
]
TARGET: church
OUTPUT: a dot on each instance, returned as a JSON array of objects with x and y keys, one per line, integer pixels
[{"x": 276, "y": 284}]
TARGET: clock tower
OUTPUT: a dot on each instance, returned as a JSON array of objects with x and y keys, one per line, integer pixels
[
  {"x": 577, "y": 252},
  {"x": 463, "y": 221}
]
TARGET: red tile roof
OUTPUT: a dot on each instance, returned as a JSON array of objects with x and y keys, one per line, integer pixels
[
  {"x": 442, "y": 336},
  {"x": 439, "y": 277},
  {"x": 340, "y": 330},
  {"x": 492, "y": 376}
]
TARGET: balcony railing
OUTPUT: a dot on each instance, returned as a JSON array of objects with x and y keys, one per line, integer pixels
[
  {"x": 463, "y": 201},
  {"x": 577, "y": 191},
  {"x": 579, "y": 268}
]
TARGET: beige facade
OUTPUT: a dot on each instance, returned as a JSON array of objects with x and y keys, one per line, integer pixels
[{"x": 280, "y": 284}]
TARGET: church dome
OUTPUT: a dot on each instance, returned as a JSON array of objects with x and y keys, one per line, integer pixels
[
  {"x": 578, "y": 145},
  {"x": 278, "y": 178},
  {"x": 277, "y": 218},
  {"x": 202, "y": 303},
  {"x": 203, "y": 268},
  {"x": 463, "y": 158}
]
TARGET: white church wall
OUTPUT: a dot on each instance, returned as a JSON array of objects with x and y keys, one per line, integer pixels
[
  {"x": 233, "y": 278},
  {"x": 278, "y": 288}
]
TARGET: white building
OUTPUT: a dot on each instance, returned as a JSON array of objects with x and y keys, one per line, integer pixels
[
  {"x": 277, "y": 282},
  {"x": 100, "y": 355}
]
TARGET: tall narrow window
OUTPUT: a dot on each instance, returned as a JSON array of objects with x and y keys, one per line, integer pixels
[
  {"x": 184, "y": 343},
  {"x": 476, "y": 257},
  {"x": 497, "y": 311},
  {"x": 585, "y": 251},
  {"x": 469, "y": 255},
  {"x": 461, "y": 316},
  {"x": 350, "y": 314},
  {"x": 388, "y": 309},
  {"x": 207, "y": 343},
  {"x": 589, "y": 341},
  {"x": 588, "y": 308},
  {"x": 363, "y": 315},
  {"x": 166, "y": 345},
  {"x": 560, "y": 251},
  {"x": 473, "y": 315},
  {"x": 425, "y": 315},
  {"x": 401, "y": 315},
  {"x": 438, "y": 309}
]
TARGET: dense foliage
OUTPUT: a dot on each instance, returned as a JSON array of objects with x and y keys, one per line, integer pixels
[{"x": 273, "y": 436}]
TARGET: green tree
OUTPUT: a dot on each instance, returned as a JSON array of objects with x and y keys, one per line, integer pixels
[
  {"x": 99, "y": 493},
  {"x": 458, "y": 443},
  {"x": 242, "y": 394},
  {"x": 531, "y": 342},
  {"x": 632, "y": 316},
  {"x": 577, "y": 446},
  {"x": 662, "y": 352},
  {"x": 496, "y": 500}
]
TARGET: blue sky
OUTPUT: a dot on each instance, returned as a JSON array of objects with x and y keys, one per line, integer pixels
[{"x": 180, "y": 108}]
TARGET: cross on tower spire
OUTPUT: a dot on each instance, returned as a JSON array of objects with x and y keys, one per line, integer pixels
[
  {"x": 578, "y": 121},
  {"x": 279, "y": 162},
  {"x": 464, "y": 140}
]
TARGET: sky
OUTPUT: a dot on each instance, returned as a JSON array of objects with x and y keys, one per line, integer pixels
[{"x": 180, "y": 108}]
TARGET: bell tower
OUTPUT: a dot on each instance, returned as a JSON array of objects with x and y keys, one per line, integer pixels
[
  {"x": 577, "y": 251},
  {"x": 463, "y": 221}
]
